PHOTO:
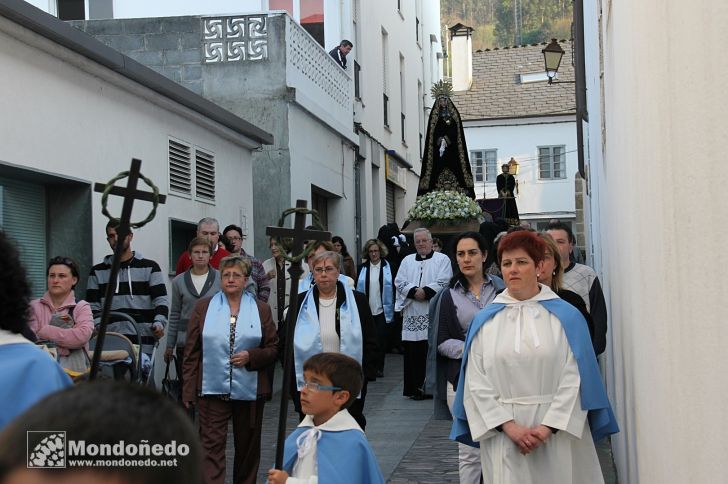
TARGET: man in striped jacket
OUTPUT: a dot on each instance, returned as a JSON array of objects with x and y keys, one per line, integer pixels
[{"x": 140, "y": 291}]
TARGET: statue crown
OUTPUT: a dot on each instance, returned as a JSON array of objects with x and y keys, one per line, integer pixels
[{"x": 441, "y": 88}]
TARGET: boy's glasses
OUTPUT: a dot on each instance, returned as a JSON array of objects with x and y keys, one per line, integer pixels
[{"x": 315, "y": 387}]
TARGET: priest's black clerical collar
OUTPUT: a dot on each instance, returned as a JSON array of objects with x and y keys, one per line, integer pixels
[{"x": 428, "y": 256}]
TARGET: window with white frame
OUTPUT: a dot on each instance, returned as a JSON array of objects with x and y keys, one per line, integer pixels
[
  {"x": 482, "y": 164},
  {"x": 191, "y": 171},
  {"x": 385, "y": 76},
  {"x": 551, "y": 162}
]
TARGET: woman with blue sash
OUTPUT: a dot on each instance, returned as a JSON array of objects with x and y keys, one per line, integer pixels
[
  {"x": 376, "y": 282},
  {"x": 231, "y": 341},
  {"x": 333, "y": 318},
  {"x": 529, "y": 391}
]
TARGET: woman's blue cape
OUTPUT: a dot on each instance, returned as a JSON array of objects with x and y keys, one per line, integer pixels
[{"x": 593, "y": 396}]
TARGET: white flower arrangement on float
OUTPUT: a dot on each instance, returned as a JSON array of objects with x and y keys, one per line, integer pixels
[{"x": 445, "y": 207}]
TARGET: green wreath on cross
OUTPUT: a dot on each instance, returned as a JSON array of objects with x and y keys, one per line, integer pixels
[
  {"x": 110, "y": 185},
  {"x": 307, "y": 250}
]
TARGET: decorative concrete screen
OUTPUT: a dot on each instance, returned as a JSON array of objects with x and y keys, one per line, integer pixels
[{"x": 233, "y": 39}]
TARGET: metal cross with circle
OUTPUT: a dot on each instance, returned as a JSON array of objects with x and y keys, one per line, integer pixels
[
  {"x": 130, "y": 194},
  {"x": 299, "y": 234}
]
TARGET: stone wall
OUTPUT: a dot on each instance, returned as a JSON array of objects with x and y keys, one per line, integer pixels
[{"x": 170, "y": 46}]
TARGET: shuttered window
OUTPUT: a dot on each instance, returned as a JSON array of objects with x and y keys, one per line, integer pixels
[
  {"x": 390, "y": 203},
  {"x": 23, "y": 210},
  {"x": 187, "y": 179},
  {"x": 204, "y": 175},
  {"x": 180, "y": 167}
]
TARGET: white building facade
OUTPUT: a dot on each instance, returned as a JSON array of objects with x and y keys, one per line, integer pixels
[
  {"x": 372, "y": 162},
  {"x": 81, "y": 113},
  {"x": 659, "y": 226},
  {"x": 510, "y": 112},
  {"x": 536, "y": 144},
  {"x": 399, "y": 52}
]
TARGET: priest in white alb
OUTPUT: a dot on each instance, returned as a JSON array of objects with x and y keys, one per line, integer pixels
[{"x": 419, "y": 278}]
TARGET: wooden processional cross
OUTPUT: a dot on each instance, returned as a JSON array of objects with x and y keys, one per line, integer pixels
[
  {"x": 299, "y": 234},
  {"x": 130, "y": 194}
]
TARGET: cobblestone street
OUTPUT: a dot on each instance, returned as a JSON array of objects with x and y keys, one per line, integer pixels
[{"x": 411, "y": 446}]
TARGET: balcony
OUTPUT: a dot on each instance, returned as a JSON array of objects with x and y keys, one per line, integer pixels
[
  {"x": 269, "y": 45},
  {"x": 245, "y": 63}
]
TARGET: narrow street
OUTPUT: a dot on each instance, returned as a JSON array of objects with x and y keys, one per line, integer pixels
[{"x": 410, "y": 445}]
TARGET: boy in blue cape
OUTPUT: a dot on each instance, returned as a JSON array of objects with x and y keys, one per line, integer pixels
[{"x": 328, "y": 445}]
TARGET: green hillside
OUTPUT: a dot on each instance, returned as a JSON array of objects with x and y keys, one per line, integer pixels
[{"x": 501, "y": 23}]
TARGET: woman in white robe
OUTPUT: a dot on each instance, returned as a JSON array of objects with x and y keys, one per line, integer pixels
[{"x": 522, "y": 382}]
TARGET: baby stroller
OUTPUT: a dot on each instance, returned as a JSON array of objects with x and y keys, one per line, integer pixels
[{"x": 122, "y": 358}]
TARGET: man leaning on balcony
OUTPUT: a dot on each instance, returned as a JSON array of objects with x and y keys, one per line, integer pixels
[{"x": 340, "y": 52}]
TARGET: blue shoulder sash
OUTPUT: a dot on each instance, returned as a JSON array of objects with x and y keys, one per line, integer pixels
[
  {"x": 307, "y": 336},
  {"x": 219, "y": 377},
  {"x": 387, "y": 290}
]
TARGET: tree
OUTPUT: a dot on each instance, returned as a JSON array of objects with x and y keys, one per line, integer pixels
[{"x": 508, "y": 22}]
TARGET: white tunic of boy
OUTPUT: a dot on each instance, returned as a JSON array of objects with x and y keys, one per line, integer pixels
[{"x": 305, "y": 470}]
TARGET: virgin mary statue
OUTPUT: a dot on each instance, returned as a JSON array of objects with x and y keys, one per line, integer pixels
[{"x": 445, "y": 162}]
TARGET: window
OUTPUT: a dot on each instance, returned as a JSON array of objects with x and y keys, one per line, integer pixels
[
  {"x": 23, "y": 218},
  {"x": 312, "y": 19},
  {"x": 180, "y": 234},
  {"x": 101, "y": 9},
  {"x": 71, "y": 10},
  {"x": 403, "y": 118},
  {"x": 186, "y": 178},
  {"x": 385, "y": 75},
  {"x": 204, "y": 175},
  {"x": 402, "y": 105},
  {"x": 551, "y": 162},
  {"x": 482, "y": 163},
  {"x": 180, "y": 168},
  {"x": 286, "y": 5},
  {"x": 385, "y": 98},
  {"x": 320, "y": 203},
  {"x": 420, "y": 113},
  {"x": 357, "y": 81}
]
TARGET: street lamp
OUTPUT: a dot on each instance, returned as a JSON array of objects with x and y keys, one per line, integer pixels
[
  {"x": 513, "y": 166},
  {"x": 552, "y": 55}
]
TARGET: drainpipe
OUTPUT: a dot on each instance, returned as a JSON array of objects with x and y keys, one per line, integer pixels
[
  {"x": 357, "y": 198},
  {"x": 580, "y": 83}
]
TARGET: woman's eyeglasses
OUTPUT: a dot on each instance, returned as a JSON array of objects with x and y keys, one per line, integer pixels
[
  {"x": 327, "y": 270},
  {"x": 315, "y": 387}
]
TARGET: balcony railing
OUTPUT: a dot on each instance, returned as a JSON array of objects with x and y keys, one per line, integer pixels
[{"x": 310, "y": 69}]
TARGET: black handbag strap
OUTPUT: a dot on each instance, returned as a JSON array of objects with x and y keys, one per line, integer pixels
[{"x": 166, "y": 370}]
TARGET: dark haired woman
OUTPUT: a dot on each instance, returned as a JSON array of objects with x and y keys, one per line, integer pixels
[
  {"x": 530, "y": 379},
  {"x": 349, "y": 265},
  {"x": 58, "y": 318},
  {"x": 470, "y": 290},
  {"x": 28, "y": 375}
]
